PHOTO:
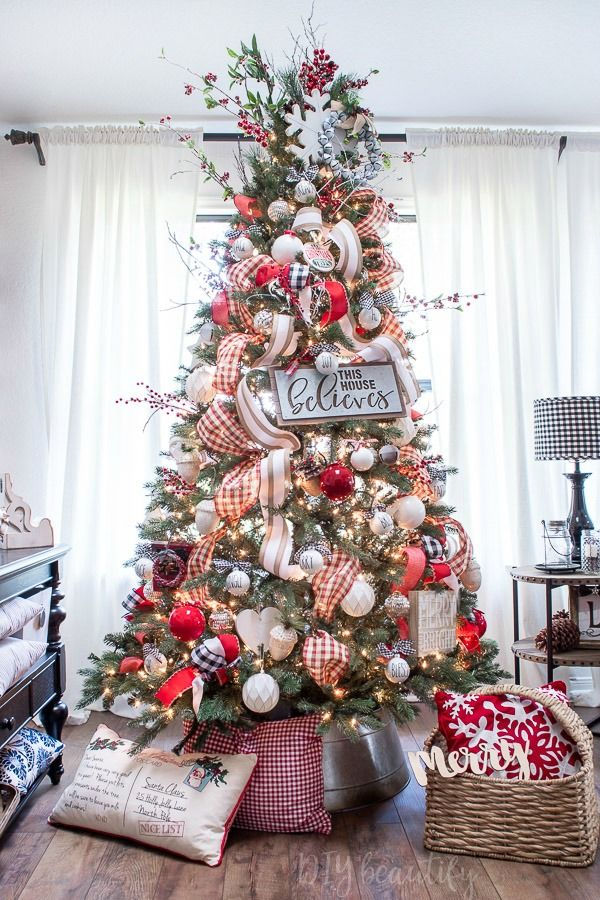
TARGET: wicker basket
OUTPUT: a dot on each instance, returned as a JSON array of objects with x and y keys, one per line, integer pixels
[
  {"x": 9, "y": 800},
  {"x": 552, "y": 822}
]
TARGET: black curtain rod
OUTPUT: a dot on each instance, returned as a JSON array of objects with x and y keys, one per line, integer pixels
[{"x": 229, "y": 137}]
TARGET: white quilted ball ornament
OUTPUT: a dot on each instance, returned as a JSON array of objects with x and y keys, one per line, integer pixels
[
  {"x": 359, "y": 600},
  {"x": 282, "y": 641},
  {"x": 389, "y": 454},
  {"x": 200, "y": 384},
  {"x": 278, "y": 210},
  {"x": 471, "y": 577},
  {"x": 305, "y": 191},
  {"x": 311, "y": 561},
  {"x": 397, "y": 670},
  {"x": 206, "y": 334},
  {"x": 237, "y": 583},
  {"x": 381, "y": 523},
  {"x": 362, "y": 459},
  {"x": 263, "y": 321},
  {"x": 409, "y": 512},
  {"x": 206, "y": 516},
  {"x": 286, "y": 248},
  {"x": 242, "y": 248},
  {"x": 369, "y": 318},
  {"x": 326, "y": 363},
  {"x": 260, "y": 693},
  {"x": 143, "y": 569}
]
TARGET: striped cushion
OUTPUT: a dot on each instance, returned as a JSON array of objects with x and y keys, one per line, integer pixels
[
  {"x": 15, "y": 658},
  {"x": 17, "y": 613}
]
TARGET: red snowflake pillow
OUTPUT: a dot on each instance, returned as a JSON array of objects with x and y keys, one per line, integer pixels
[
  {"x": 478, "y": 721},
  {"x": 286, "y": 792}
]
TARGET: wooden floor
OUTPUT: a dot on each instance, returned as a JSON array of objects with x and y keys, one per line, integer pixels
[{"x": 374, "y": 853}]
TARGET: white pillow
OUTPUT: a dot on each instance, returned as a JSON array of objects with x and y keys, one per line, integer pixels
[
  {"x": 16, "y": 657},
  {"x": 187, "y": 808},
  {"x": 17, "y": 613}
]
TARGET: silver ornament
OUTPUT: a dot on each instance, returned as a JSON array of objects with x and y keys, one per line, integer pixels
[
  {"x": 397, "y": 606},
  {"x": 263, "y": 321},
  {"x": 389, "y": 454}
]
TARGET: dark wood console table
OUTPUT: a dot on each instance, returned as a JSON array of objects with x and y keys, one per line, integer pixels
[{"x": 24, "y": 573}]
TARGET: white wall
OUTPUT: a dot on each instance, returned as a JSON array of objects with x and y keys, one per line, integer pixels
[{"x": 22, "y": 424}]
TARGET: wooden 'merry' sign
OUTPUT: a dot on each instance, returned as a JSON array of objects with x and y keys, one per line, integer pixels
[
  {"x": 363, "y": 391},
  {"x": 432, "y": 621}
]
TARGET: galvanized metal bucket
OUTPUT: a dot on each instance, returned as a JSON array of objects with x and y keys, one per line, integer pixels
[{"x": 368, "y": 770}]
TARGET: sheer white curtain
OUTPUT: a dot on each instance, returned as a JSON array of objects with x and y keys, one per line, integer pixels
[
  {"x": 108, "y": 276},
  {"x": 488, "y": 222}
]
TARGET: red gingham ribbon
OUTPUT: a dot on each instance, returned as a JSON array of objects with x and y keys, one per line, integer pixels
[
  {"x": 229, "y": 359},
  {"x": 389, "y": 272},
  {"x": 377, "y": 219},
  {"x": 238, "y": 491},
  {"x": 392, "y": 327},
  {"x": 326, "y": 659},
  {"x": 241, "y": 274},
  {"x": 199, "y": 562},
  {"x": 331, "y": 584},
  {"x": 220, "y": 430},
  {"x": 412, "y": 465},
  {"x": 461, "y": 560}
]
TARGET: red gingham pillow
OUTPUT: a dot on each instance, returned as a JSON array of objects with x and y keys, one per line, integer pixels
[
  {"x": 474, "y": 721},
  {"x": 286, "y": 789}
]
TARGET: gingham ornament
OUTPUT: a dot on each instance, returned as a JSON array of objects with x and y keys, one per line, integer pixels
[{"x": 326, "y": 660}]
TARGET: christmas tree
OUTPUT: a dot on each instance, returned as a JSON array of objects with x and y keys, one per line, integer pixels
[{"x": 297, "y": 556}]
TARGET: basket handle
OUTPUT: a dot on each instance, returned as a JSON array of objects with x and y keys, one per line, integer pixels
[{"x": 561, "y": 711}]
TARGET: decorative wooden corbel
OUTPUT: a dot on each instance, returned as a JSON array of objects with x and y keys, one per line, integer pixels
[{"x": 17, "y": 529}]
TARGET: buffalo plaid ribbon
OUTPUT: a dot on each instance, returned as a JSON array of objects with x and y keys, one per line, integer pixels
[
  {"x": 220, "y": 430},
  {"x": 199, "y": 562},
  {"x": 296, "y": 277},
  {"x": 326, "y": 659},
  {"x": 238, "y": 491},
  {"x": 241, "y": 275},
  {"x": 331, "y": 584},
  {"x": 461, "y": 560},
  {"x": 229, "y": 360},
  {"x": 207, "y": 661},
  {"x": 432, "y": 547},
  {"x": 398, "y": 648},
  {"x": 132, "y": 600}
]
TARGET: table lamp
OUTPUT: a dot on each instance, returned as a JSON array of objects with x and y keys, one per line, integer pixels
[{"x": 569, "y": 428}]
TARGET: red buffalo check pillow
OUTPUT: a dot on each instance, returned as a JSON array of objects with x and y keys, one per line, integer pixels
[
  {"x": 286, "y": 792},
  {"x": 474, "y": 722}
]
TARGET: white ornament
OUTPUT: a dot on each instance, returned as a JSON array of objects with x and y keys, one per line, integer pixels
[
  {"x": 242, "y": 248},
  {"x": 305, "y": 191},
  {"x": 471, "y": 577},
  {"x": 155, "y": 663},
  {"x": 286, "y": 248},
  {"x": 263, "y": 321},
  {"x": 389, "y": 454},
  {"x": 254, "y": 628},
  {"x": 282, "y": 641},
  {"x": 359, "y": 600},
  {"x": 311, "y": 561},
  {"x": 397, "y": 670},
  {"x": 143, "y": 569},
  {"x": 278, "y": 210},
  {"x": 206, "y": 334},
  {"x": 237, "y": 583},
  {"x": 206, "y": 516},
  {"x": 306, "y": 125},
  {"x": 362, "y": 459},
  {"x": 409, "y": 512},
  {"x": 326, "y": 363},
  {"x": 200, "y": 384},
  {"x": 369, "y": 318},
  {"x": 381, "y": 523},
  {"x": 260, "y": 693}
]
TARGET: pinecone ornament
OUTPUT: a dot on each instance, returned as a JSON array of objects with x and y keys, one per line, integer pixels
[{"x": 565, "y": 633}]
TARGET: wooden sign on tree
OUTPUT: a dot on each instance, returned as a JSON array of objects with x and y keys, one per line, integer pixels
[{"x": 432, "y": 621}]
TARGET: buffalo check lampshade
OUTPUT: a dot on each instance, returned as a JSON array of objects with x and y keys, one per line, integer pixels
[{"x": 567, "y": 428}]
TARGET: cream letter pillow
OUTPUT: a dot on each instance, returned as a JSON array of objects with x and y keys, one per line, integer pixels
[{"x": 186, "y": 808}]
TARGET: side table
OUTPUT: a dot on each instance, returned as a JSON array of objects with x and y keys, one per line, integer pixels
[{"x": 525, "y": 648}]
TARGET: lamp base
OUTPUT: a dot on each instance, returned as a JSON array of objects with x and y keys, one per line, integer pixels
[{"x": 579, "y": 519}]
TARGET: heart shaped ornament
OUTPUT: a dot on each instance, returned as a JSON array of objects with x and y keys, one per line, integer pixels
[{"x": 255, "y": 629}]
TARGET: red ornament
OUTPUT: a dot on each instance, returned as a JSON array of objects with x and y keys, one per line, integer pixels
[
  {"x": 130, "y": 664},
  {"x": 186, "y": 622},
  {"x": 480, "y": 622},
  {"x": 403, "y": 629},
  {"x": 467, "y": 633},
  {"x": 337, "y": 482}
]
